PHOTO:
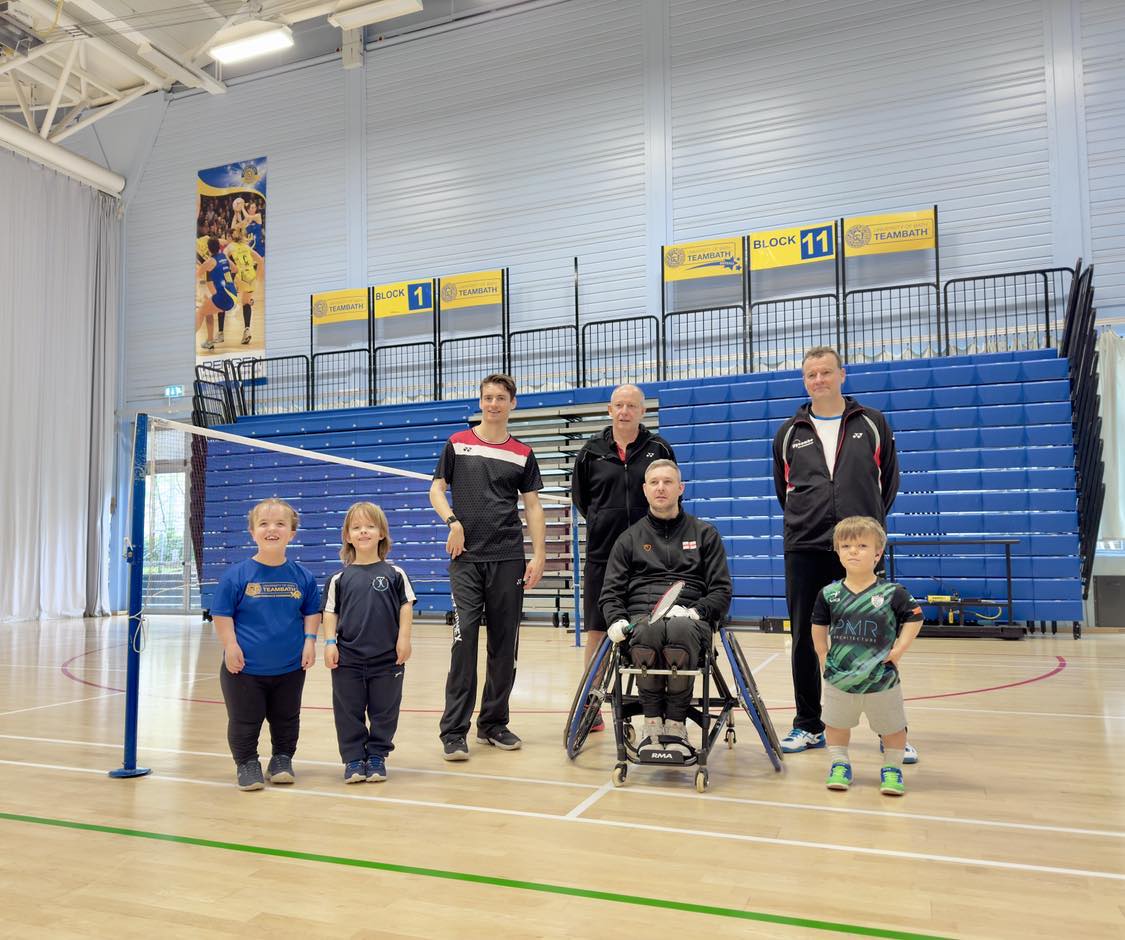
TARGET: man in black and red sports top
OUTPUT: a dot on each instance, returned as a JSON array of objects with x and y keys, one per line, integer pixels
[
  {"x": 833, "y": 459},
  {"x": 488, "y": 470}
]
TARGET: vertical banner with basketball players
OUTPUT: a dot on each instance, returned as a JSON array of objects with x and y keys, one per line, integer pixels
[{"x": 230, "y": 261}]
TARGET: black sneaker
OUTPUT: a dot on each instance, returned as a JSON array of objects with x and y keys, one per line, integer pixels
[
  {"x": 501, "y": 738},
  {"x": 455, "y": 748},
  {"x": 355, "y": 771},
  {"x": 250, "y": 775},
  {"x": 375, "y": 769},
  {"x": 280, "y": 769}
]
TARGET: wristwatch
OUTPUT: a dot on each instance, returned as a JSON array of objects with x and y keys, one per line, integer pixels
[{"x": 449, "y": 520}]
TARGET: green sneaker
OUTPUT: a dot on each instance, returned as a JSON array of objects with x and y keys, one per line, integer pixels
[
  {"x": 892, "y": 784},
  {"x": 839, "y": 776}
]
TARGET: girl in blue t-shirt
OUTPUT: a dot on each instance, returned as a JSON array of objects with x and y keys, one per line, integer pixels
[
  {"x": 267, "y": 614},
  {"x": 368, "y": 614}
]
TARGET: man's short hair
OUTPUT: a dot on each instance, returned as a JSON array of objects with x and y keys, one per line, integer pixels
[
  {"x": 499, "y": 378},
  {"x": 854, "y": 527},
  {"x": 661, "y": 463},
  {"x": 817, "y": 351}
]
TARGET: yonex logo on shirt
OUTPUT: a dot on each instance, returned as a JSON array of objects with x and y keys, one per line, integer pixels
[{"x": 857, "y": 434}]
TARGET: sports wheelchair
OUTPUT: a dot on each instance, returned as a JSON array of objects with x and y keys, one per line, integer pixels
[{"x": 611, "y": 677}]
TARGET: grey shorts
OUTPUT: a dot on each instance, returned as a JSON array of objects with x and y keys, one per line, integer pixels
[{"x": 886, "y": 713}]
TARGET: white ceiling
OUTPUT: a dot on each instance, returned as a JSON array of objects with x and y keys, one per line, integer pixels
[{"x": 66, "y": 63}]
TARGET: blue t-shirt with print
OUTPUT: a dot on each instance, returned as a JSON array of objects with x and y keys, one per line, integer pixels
[{"x": 269, "y": 604}]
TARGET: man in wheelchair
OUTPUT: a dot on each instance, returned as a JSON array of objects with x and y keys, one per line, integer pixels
[{"x": 667, "y": 545}]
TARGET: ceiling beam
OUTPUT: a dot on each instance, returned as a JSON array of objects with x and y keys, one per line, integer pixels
[
  {"x": 48, "y": 11},
  {"x": 178, "y": 63},
  {"x": 49, "y": 117},
  {"x": 63, "y": 133},
  {"x": 14, "y": 62},
  {"x": 28, "y": 117}
]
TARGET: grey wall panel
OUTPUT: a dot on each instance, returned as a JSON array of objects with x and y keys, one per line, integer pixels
[
  {"x": 297, "y": 122},
  {"x": 1103, "y": 56},
  {"x": 796, "y": 111},
  {"x": 520, "y": 143}
]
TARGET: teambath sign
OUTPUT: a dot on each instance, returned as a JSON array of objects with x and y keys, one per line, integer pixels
[{"x": 880, "y": 234}]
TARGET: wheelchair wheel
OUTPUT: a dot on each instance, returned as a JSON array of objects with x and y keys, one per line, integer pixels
[
  {"x": 752, "y": 701},
  {"x": 620, "y": 772},
  {"x": 592, "y": 692},
  {"x": 701, "y": 780}
]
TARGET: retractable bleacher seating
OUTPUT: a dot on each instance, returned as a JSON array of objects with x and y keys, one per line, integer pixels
[{"x": 985, "y": 450}]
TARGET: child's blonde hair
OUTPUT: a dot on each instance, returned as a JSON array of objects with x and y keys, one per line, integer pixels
[
  {"x": 265, "y": 504},
  {"x": 374, "y": 515},
  {"x": 855, "y": 526}
]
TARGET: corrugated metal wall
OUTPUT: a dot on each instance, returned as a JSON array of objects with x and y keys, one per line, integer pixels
[
  {"x": 517, "y": 144},
  {"x": 524, "y": 140},
  {"x": 296, "y": 120},
  {"x": 793, "y": 111},
  {"x": 1103, "y": 57}
]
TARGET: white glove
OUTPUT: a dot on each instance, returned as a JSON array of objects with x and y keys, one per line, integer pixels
[
  {"x": 678, "y": 611},
  {"x": 618, "y": 630}
]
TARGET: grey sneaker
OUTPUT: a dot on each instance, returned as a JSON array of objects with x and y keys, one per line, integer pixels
[
  {"x": 651, "y": 731},
  {"x": 250, "y": 775},
  {"x": 246, "y": 336},
  {"x": 220, "y": 338},
  {"x": 207, "y": 344},
  {"x": 501, "y": 738},
  {"x": 280, "y": 769},
  {"x": 455, "y": 748}
]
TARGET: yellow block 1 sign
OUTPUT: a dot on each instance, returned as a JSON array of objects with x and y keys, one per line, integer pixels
[
  {"x": 397, "y": 300},
  {"x": 899, "y": 231},
  {"x": 339, "y": 306},
  {"x": 716, "y": 257}
]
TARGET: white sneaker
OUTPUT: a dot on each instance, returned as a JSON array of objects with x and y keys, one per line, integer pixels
[
  {"x": 246, "y": 336},
  {"x": 651, "y": 731},
  {"x": 909, "y": 753},
  {"x": 798, "y": 740},
  {"x": 678, "y": 730},
  {"x": 207, "y": 344},
  {"x": 220, "y": 338}
]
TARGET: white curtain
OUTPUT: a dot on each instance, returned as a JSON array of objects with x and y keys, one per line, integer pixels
[
  {"x": 59, "y": 245},
  {"x": 1111, "y": 386}
]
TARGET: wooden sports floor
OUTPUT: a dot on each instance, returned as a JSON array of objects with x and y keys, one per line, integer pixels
[{"x": 1013, "y": 824}]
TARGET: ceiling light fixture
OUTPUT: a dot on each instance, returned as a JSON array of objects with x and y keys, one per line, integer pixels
[
  {"x": 249, "y": 39},
  {"x": 365, "y": 14}
]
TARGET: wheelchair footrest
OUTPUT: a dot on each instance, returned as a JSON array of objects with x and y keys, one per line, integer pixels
[{"x": 635, "y": 671}]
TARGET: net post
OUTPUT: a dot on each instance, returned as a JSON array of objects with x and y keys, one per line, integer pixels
[
  {"x": 135, "y": 557},
  {"x": 576, "y": 567}
]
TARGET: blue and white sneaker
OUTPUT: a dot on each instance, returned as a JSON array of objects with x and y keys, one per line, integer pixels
[
  {"x": 355, "y": 771},
  {"x": 376, "y": 769},
  {"x": 909, "y": 754},
  {"x": 798, "y": 740}
]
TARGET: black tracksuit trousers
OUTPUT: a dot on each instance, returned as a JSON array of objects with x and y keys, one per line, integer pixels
[{"x": 374, "y": 689}]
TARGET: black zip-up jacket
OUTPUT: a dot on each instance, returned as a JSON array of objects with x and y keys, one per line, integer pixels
[
  {"x": 864, "y": 481},
  {"x": 608, "y": 491},
  {"x": 653, "y": 553}
]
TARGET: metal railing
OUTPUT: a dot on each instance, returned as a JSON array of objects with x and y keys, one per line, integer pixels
[
  {"x": 341, "y": 379},
  {"x": 276, "y": 385},
  {"x": 465, "y": 360},
  {"x": 544, "y": 360},
  {"x": 618, "y": 351},
  {"x": 704, "y": 343},
  {"x": 891, "y": 323},
  {"x": 1004, "y": 312},
  {"x": 781, "y": 330},
  {"x": 404, "y": 373}
]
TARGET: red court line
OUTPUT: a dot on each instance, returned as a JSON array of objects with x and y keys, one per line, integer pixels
[{"x": 1059, "y": 667}]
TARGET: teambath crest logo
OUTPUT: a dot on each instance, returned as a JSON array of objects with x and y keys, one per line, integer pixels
[
  {"x": 253, "y": 589},
  {"x": 448, "y": 291},
  {"x": 320, "y": 308},
  {"x": 858, "y": 236},
  {"x": 674, "y": 257}
]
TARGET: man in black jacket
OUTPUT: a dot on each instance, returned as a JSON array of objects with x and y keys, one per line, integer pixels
[
  {"x": 607, "y": 489},
  {"x": 667, "y": 545},
  {"x": 833, "y": 459}
]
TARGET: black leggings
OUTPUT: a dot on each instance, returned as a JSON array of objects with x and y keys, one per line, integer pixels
[
  {"x": 250, "y": 700},
  {"x": 663, "y": 696}
]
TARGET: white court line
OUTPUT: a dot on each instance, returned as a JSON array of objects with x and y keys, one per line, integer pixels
[
  {"x": 34, "y": 708},
  {"x": 590, "y": 801},
  {"x": 611, "y": 823},
  {"x": 464, "y": 775},
  {"x": 600, "y": 791},
  {"x": 1004, "y": 711}
]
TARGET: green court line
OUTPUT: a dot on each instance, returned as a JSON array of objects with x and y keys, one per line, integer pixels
[{"x": 479, "y": 879}]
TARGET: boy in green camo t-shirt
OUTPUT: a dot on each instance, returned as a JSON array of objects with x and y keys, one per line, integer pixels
[{"x": 861, "y": 628}]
